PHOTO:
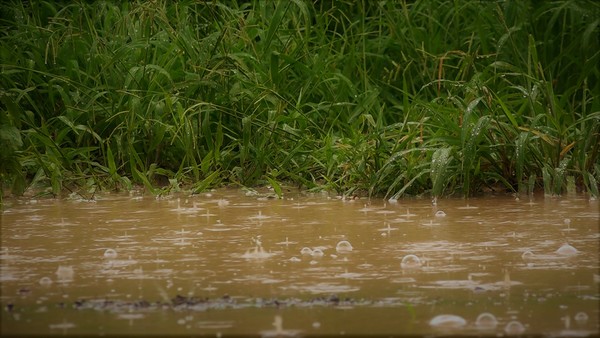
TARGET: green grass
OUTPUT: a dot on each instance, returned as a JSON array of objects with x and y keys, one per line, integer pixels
[{"x": 390, "y": 98}]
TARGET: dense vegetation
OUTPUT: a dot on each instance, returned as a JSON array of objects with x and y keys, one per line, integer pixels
[{"x": 391, "y": 98}]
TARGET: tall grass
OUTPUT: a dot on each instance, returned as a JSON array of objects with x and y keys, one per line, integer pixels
[{"x": 388, "y": 98}]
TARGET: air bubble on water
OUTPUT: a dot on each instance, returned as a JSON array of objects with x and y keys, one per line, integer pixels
[
  {"x": 567, "y": 250},
  {"x": 411, "y": 262},
  {"x": 440, "y": 213},
  {"x": 448, "y": 321},
  {"x": 306, "y": 251},
  {"x": 527, "y": 255},
  {"x": 581, "y": 317},
  {"x": 45, "y": 281},
  {"x": 110, "y": 254},
  {"x": 514, "y": 328},
  {"x": 486, "y": 321},
  {"x": 343, "y": 246},
  {"x": 317, "y": 253}
]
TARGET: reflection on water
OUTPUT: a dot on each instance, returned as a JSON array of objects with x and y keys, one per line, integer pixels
[{"x": 229, "y": 262}]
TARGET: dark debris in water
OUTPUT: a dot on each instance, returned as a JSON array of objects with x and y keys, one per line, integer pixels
[{"x": 194, "y": 303}]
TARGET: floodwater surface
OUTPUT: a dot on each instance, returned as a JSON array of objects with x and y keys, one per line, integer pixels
[{"x": 231, "y": 262}]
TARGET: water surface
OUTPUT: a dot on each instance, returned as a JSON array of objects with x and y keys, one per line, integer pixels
[{"x": 229, "y": 262}]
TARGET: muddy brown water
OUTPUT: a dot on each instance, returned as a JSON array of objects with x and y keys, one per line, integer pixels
[{"x": 229, "y": 262}]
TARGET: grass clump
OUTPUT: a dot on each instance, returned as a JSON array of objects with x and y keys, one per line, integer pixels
[{"x": 391, "y": 98}]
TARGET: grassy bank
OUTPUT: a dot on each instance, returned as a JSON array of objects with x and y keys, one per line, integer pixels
[{"x": 392, "y": 98}]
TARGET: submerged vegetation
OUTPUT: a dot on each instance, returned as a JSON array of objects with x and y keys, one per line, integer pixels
[{"x": 390, "y": 98}]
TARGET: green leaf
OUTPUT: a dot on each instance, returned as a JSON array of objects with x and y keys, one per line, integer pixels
[{"x": 276, "y": 187}]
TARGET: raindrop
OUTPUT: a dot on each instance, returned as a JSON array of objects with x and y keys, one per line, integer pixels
[
  {"x": 514, "y": 328},
  {"x": 61, "y": 326},
  {"x": 64, "y": 273},
  {"x": 411, "y": 262},
  {"x": 257, "y": 253},
  {"x": 567, "y": 250},
  {"x": 279, "y": 330},
  {"x": 440, "y": 213},
  {"x": 343, "y": 246},
  {"x": 110, "y": 254},
  {"x": 131, "y": 316},
  {"x": 448, "y": 321},
  {"x": 486, "y": 321},
  {"x": 45, "y": 281},
  {"x": 259, "y": 216}
]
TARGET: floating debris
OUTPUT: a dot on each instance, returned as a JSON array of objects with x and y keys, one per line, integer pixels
[{"x": 193, "y": 303}]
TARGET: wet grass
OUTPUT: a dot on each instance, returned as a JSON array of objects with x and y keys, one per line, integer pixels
[{"x": 388, "y": 98}]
